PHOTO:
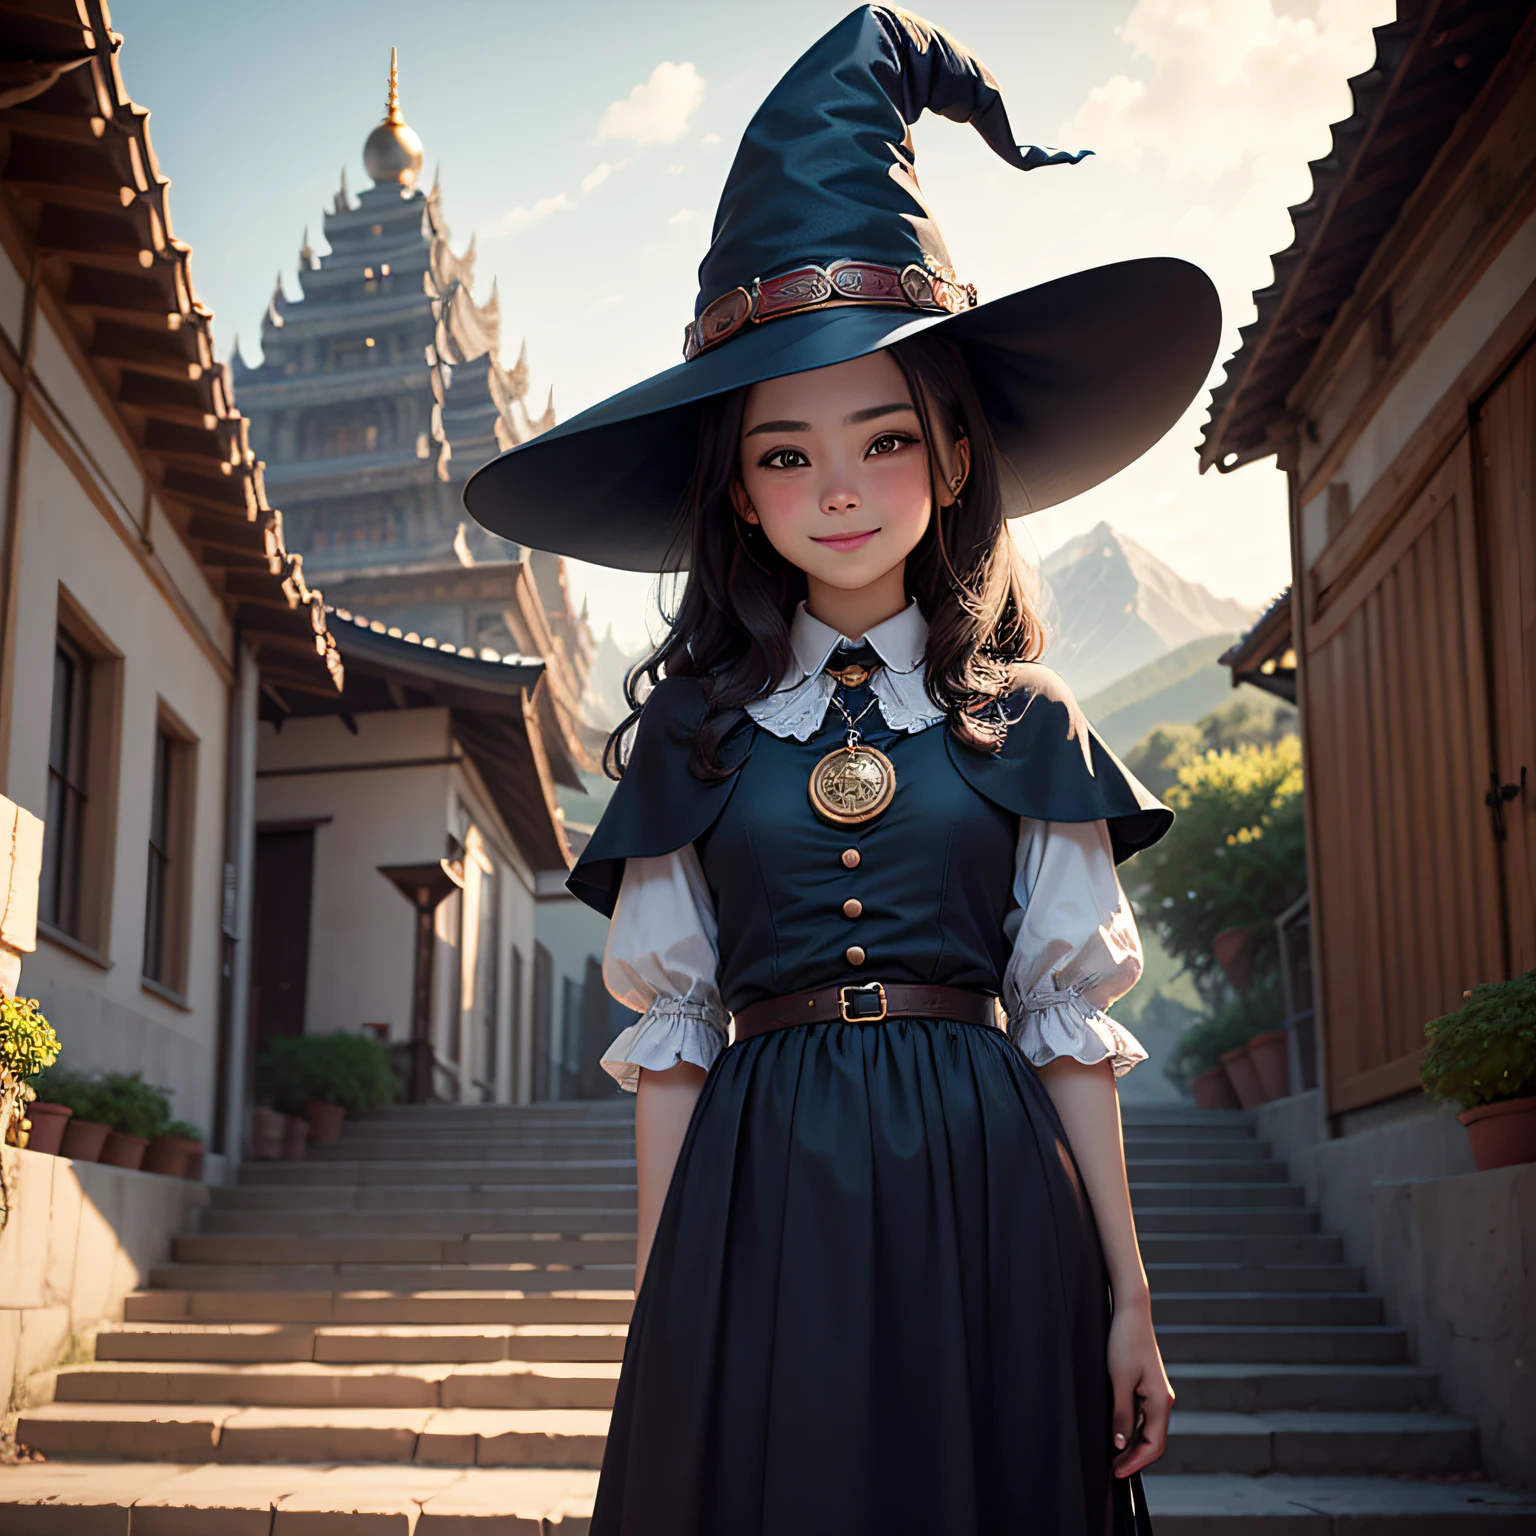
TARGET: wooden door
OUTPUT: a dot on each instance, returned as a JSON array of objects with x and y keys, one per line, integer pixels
[
  {"x": 1406, "y": 868},
  {"x": 1505, "y": 444},
  {"x": 280, "y": 939}
]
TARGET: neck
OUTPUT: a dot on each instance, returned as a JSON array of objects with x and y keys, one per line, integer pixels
[{"x": 854, "y": 613}]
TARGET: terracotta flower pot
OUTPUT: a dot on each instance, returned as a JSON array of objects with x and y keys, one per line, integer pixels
[
  {"x": 1244, "y": 1077},
  {"x": 295, "y": 1135},
  {"x": 1271, "y": 1060},
  {"x": 124, "y": 1151},
  {"x": 267, "y": 1128},
  {"x": 195, "y": 1160},
  {"x": 325, "y": 1122},
  {"x": 48, "y": 1123},
  {"x": 168, "y": 1155},
  {"x": 1213, "y": 1089},
  {"x": 84, "y": 1139},
  {"x": 1502, "y": 1134}
]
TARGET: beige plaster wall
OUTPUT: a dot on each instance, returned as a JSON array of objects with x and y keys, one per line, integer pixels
[
  {"x": 105, "y": 1016},
  {"x": 81, "y": 1238}
]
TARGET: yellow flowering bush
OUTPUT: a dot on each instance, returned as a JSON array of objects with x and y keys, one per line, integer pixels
[{"x": 28, "y": 1043}]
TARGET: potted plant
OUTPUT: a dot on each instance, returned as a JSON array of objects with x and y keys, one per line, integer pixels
[
  {"x": 1198, "y": 1058},
  {"x": 28, "y": 1046},
  {"x": 86, "y": 1130},
  {"x": 136, "y": 1111},
  {"x": 172, "y": 1152},
  {"x": 1483, "y": 1057},
  {"x": 321, "y": 1077}
]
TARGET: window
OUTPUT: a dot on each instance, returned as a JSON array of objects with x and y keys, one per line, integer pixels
[
  {"x": 168, "y": 877},
  {"x": 59, "y": 902},
  {"x": 78, "y": 838}
]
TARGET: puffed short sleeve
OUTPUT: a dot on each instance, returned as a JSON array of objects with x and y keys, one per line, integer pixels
[
  {"x": 1075, "y": 947},
  {"x": 660, "y": 960}
]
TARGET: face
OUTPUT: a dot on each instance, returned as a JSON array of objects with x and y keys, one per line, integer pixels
[{"x": 834, "y": 469}]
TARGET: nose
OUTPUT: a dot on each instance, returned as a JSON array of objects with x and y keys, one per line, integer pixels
[{"x": 837, "y": 501}]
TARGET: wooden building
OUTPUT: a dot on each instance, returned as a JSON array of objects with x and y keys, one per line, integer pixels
[{"x": 1391, "y": 371}]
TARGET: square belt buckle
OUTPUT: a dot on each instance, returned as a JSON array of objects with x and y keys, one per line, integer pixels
[{"x": 860, "y": 1003}]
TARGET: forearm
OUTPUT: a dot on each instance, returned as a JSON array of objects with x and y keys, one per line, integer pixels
[
  {"x": 1089, "y": 1107},
  {"x": 664, "y": 1106}
]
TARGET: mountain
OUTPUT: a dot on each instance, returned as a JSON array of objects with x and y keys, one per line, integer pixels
[
  {"x": 604, "y": 702},
  {"x": 1111, "y": 607},
  {"x": 1179, "y": 687}
]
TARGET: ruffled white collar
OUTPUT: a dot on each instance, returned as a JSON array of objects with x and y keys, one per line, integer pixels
[{"x": 798, "y": 706}]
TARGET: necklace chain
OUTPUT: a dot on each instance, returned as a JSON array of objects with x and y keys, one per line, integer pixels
[{"x": 853, "y": 720}]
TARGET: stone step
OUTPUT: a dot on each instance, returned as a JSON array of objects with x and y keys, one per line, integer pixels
[
  {"x": 1225, "y": 1504},
  {"x": 1266, "y": 1308},
  {"x": 1206, "y": 1343},
  {"x": 1250, "y": 1277},
  {"x": 500, "y": 1383},
  {"x": 1227, "y": 1122},
  {"x": 1164, "y": 1148},
  {"x": 1228, "y": 1219},
  {"x": 416, "y": 1222},
  {"x": 378, "y": 1307},
  {"x": 455, "y": 1149},
  {"x": 1252, "y": 1444},
  {"x": 1189, "y": 1248},
  {"x": 1219, "y": 1388},
  {"x": 1159, "y": 1170},
  {"x": 1237, "y": 1193},
  {"x": 100, "y": 1499},
  {"x": 462, "y": 1437},
  {"x": 360, "y": 1344},
  {"x": 618, "y": 1108},
  {"x": 381, "y": 1197},
  {"x": 384, "y": 1277},
  {"x": 575, "y": 1251},
  {"x": 1420, "y": 1443},
  {"x": 461, "y": 1170}
]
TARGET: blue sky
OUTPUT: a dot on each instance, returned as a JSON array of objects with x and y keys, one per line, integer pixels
[{"x": 1201, "y": 115}]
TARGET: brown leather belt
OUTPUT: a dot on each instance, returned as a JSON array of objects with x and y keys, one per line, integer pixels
[{"x": 866, "y": 1003}]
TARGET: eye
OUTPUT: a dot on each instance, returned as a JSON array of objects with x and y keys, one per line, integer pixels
[
  {"x": 888, "y": 442},
  {"x": 784, "y": 458}
]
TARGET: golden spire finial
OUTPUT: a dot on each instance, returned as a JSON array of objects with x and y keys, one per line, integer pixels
[{"x": 392, "y": 112}]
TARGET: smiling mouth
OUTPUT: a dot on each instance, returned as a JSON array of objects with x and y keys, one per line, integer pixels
[{"x": 846, "y": 542}]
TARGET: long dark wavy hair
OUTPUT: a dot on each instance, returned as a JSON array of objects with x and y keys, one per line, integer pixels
[{"x": 731, "y": 625}]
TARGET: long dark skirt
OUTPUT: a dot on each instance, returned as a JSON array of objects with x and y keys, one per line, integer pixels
[{"x": 876, "y": 1304}]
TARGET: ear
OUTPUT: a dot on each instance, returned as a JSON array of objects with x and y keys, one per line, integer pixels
[
  {"x": 960, "y": 469},
  {"x": 743, "y": 503}
]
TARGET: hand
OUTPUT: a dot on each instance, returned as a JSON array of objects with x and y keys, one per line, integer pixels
[{"x": 1136, "y": 1372}]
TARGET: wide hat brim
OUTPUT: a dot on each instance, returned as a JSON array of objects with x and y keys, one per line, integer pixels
[{"x": 1078, "y": 378}]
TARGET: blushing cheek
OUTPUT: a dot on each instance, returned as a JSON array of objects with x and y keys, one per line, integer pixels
[{"x": 906, "y": 498}]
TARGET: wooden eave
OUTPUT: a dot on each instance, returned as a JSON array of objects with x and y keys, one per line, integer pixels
[
  {"x": 1431, "y": 64},
  {"x": 83, "y": 211}
]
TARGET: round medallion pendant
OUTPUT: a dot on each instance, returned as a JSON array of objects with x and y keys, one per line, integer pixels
[{"x": 852, "y": 785}]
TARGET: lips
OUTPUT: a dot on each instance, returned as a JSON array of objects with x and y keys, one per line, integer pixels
[{"x": 845, "y": 543}]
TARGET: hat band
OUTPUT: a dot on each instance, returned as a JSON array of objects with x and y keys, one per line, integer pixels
[{"x": 813, "y": 287}]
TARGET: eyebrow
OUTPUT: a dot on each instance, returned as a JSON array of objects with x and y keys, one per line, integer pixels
[{"x": 852, "y": 421}]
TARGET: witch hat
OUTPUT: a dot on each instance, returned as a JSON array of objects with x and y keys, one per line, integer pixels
[{"x": 823, "y": 251}]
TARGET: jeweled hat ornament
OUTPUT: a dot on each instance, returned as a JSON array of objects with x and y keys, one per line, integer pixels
[{"x": 823, "y": 251}]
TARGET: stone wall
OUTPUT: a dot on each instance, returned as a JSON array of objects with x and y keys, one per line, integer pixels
[
  {"x": 82, "y": 1237},
  {"x": 1452, "y": 1251}
]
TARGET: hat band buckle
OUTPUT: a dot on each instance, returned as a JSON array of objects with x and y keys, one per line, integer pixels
[{"x": 813, "y": 287}]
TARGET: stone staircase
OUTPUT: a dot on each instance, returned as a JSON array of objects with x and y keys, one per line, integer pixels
[{"x": 420, "y": 1329}]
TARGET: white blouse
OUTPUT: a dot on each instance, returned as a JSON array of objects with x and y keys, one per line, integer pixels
[{"x": 1075, "y": 945}]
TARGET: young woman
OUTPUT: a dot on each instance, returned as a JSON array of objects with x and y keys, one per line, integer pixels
[{"x": 861, "y": 859}]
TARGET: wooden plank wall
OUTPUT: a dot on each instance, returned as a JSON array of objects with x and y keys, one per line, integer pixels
[{"x": 1406, "y": 876}]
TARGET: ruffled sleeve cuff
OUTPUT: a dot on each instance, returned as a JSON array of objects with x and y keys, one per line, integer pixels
[
  {"x": 670, "y": 1031},
  {"x": 1063, "y": 1023}
]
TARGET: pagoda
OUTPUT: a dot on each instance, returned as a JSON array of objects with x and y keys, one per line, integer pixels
[{"x": 379, "y": 392}]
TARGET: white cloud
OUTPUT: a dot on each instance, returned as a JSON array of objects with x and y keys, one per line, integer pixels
[
  {"x": 521, "y": 218},
  {"x": 676, "y": 170},
  {"x": 657, "y": 111},
  {"x": 682, "y": 216},
  {"x": 710, "y": 138},
  {"x": 600, "y": 173}
]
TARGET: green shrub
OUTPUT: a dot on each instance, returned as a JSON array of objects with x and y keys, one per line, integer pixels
[
  {"x": 1485, "y": 1052},
  {"x": 122, "y": 1100},
  {"x": 182, "y": 1128},
  {"x": 1234, "y": 1024},
  {"x": 341, "y": 1068}
]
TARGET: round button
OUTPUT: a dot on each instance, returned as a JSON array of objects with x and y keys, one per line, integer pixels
[
  {"x": 851, "y": 858},
  {"x": 852, "y": 907},
  {"x": 855, "y": 955}
]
